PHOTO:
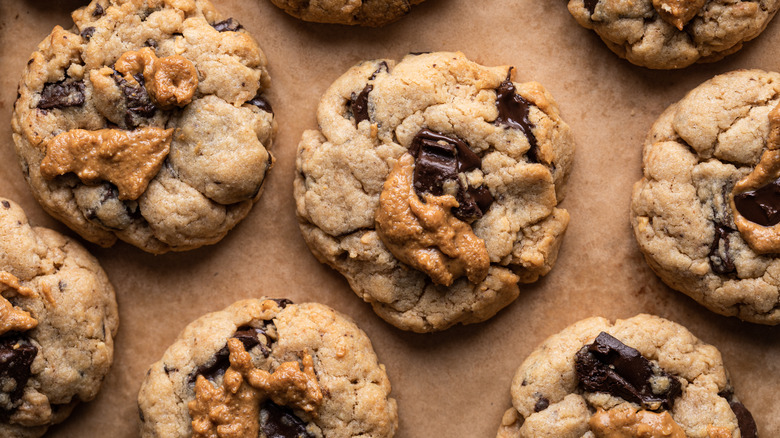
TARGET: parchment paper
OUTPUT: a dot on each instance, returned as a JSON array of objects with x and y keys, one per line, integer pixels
[{"x": 450, "y": 384}]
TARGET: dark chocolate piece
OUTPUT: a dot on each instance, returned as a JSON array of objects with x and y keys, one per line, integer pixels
[
  {"x": 139, "y": 104},
  {"x": 150, "y": 43},
  {"x": 279, "y": 422},
  {"x": 62, "y": 94},
  {"x": 220, "y": 362},
  {"x": 282, "y": 302},
  {"x": 16, "y": 356},
  {"x": 590, "y": 5},
  {"x": 720, "y": 259},
  {"x": 513, "y": 111},
  {"x": 747, "y": 425},
  {"x": 262, "y": 103},
  {"x": 359, "y": 104},
  {"x": 438, "y": 159},
  {"x": 6, "y": 204},
  {"x": 608, "y": 365},
  {"x": 99, "y": 11},
  {"x": 541, "y": 404},
  {"x": 762, "y": 205},
  {"x": 229, "y": 25},
  {"x": 87, "y": 33}
]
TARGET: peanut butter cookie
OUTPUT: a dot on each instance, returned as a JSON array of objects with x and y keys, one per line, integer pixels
[
  {"x": 120, "y": 124},
  {"x": 433, "y": 186},
  {"x": 667, "y": 34},
  {"x": 58, "y": 319},
  {"x": 705, "y": 212},
  {"x": 640, "y": 377},
  {"x": 268, "y": 368},
  {"x": 372, "y": 13}
]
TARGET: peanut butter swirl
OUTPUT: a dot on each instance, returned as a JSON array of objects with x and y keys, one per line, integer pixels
[
  {"x": 232, "y": 410},
  {"x": 170, "y": 81},
  {"x": 425, "y": 234},
  {"x": 13, "y": 318},
  {"x": 628, "y": 422}
]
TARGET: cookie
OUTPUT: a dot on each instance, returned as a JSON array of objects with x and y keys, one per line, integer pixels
[
  {"x": 58, "y": 319},
  {"x": 705, "y": 211},
  {"x": 667, "y": 34},
  {"x": 372, "y": 13},
  {"x": 268, "y": 368},
  {"x": 120, "y": 124},
  {"x": 643, "y": 376},
  {"x": 433, "y": 187}
]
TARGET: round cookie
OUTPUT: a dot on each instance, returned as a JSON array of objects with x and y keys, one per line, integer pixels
[
  {"x": 433, "y": 186},
  {"x": 58, "y": 318},
  {"x": 120, "y": 124},
  {"x": 705, "y": 211},
  {"x": 643, "y": 376},
  {"x": 667, "y": 34},
  {"x": 372, "y": 13},
  {"x": 268, "y": 368}
]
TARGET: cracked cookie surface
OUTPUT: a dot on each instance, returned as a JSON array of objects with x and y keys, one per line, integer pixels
[
  {"x": 700, "y": 155},
  {"x": 64, "y": 349},
  {"x": 119, "y": 124},
  {"x": 372, "y": 13},
  {"x": 276, "y": 336},
  {"x": 471, "y": 138},
  {"x": 667, "y": 34},
  {"x": 642, "y": 376}
]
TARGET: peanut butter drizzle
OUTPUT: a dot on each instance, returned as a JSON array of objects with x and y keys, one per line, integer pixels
[
  {"x": 128, "y": 159},
  {"x": 233, "y": 409},
  {"x": 628, "y": 422},
  {"x": 426, "y": 235},
  {"x": 12, "y": 318},
  {"x": 678, "y": 12},
  {"x": 170, "y": 81},
  {"x": 761, "y": 239}
]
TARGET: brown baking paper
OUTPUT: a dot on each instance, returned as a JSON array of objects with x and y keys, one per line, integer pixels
[{"x": 450, "y": 384}]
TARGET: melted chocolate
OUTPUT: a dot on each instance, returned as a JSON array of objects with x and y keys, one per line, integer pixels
[
  {"x": 139, "y": 104},
  {"x": 747, "y": 425},
  {"x": 279, "y": 422},
  {"x": 359, "y": 104},
  {"x": 608, "y": 365},
  {"x": 590, "y": 5},
  {"x": 262, "y": 103},
  {"x": 720, "y": 259},
  {"x": 16, "y": 356},
  {"x": 62, "y": 94},
  {"x": 220, "y": 362},
  {"x": 229, "y": 25},
  {"x": 762, "y": 205},
  {"x": 513, "y": 112}
]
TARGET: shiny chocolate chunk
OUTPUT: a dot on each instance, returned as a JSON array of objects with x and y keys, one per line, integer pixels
[
  {"x": 279, "y": 422},
  {"x": 762, "y": 205},
  {"x": 438, "y": 159},
  {"x": 220, "y": 362},
  {"x": 513, "y": 112},
  {"x": 262, "y": 103},
  {"x": 747, "y": 425},
  {"x": 229, "y": 25},
  {"x": 359, "y": 104},
  {"x": 87, "y": 33},
  {"x": 719, "y": 257},
  {"x": 590, "y": 5},
  {"x": 62, "y": 94},
  {"x": 608, "y": 365},
  {"x": 16, "y": 356},
  {"x": 139, "y": 104}
]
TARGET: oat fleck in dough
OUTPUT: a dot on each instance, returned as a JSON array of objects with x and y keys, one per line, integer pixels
[
  {"x": 708, "y": 164},
  {"x": 668, "y": 34},
  {"x": 58, "y": 319},
  {"x": 639, "y": 377},
  {"x": 493, "y": 152},
  {"x": 136, "y": 66},
  {"x": 273, "y": 367},
  {"x": 372, "y": 13}
]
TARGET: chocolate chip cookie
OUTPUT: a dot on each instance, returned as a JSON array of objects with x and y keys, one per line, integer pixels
[
  {"x": 433, "y": 186},
  {"x": 372, "y": 13},
  {"x": 667, "y": 34},
  {"x": 121, "y": 123},
  {"x": 268, "y": 368},
  {"x": 640, "y": 377},
  {"x": 58, "y": 319},
  {"x": 705, "y": 211}
]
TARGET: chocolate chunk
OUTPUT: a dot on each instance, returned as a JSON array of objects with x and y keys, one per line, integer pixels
[
  {"x": 439, "y": 159},
  {"x": 359, "y": 104},
  {"x": 747, "y": 425},
  {"x": 541, "y": 404},
  {"x": 16, "y": 356},
  {"x": 62, "y": 94},
  {"x": 513, "y": 112},
  {"x": 720, "y": 259},
  {"x": 139, "y": 104},
  {"x": 762, "y": 205},
  {"x": 608, "y": 365},
  {"x": 6, "y": 204},
  {"x": 279, "y": 422},
  {"x": 229, "y": 25},
  {"x": 150, "y": 43},
  {"x": 282, "y": 302},
  {"x": 261, "y": 102},
  {"x": 220, "y": 362},
  {"x": 87, "y": 33},
  {"x": 99, "y": 11},
  {"x": 590, "y": 5}
]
